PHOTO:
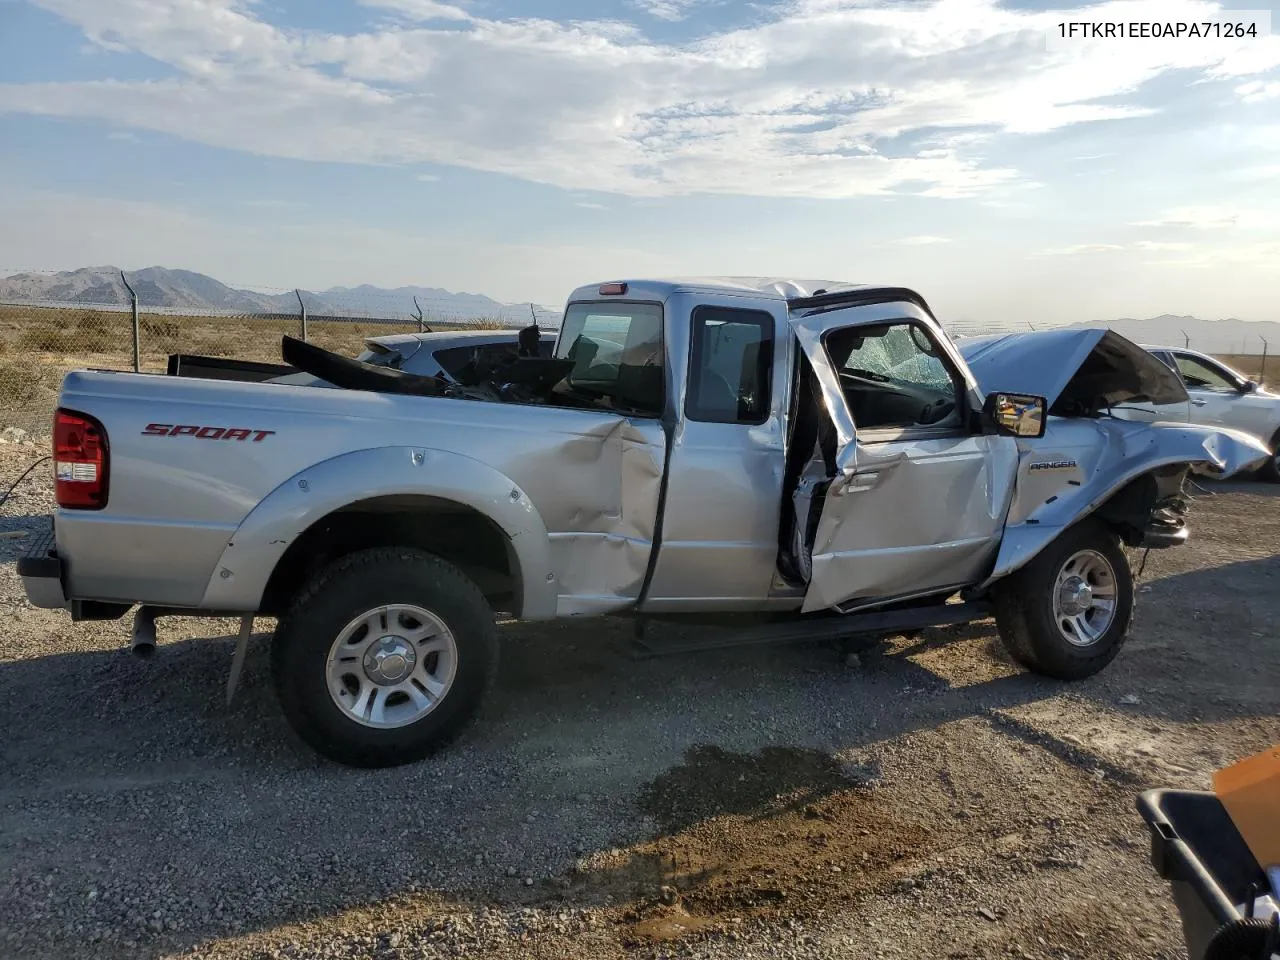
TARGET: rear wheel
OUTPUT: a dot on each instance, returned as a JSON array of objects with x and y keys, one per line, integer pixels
[
  {"x": 384, "y": 657},
  {"x": 1066, "y": 614}
]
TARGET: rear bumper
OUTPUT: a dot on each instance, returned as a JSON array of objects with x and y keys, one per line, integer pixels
[{"x": 41, "y": 573}]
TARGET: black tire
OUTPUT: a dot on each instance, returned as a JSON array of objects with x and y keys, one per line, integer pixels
[
  {"x": 333, "y": 598},
  {"x": 1025, "y": 614},
  {"x": 1270, "y": 471}
]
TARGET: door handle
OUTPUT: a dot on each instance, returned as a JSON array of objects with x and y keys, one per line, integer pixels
[
  {"x": 862, "y": 480},
  {"x": 1198, "y": 403}
]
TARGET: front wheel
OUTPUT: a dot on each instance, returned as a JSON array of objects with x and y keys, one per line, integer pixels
[
  {"x": 383, "y": 657},
  {"x": 1066, "y": 614}
]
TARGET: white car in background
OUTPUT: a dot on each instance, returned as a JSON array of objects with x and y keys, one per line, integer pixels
[{"x": 1221, "y": 396}]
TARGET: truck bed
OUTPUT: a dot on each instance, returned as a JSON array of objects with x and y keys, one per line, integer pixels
[{"x": 191, "y": 458}]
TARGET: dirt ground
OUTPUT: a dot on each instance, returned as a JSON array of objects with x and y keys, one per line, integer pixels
[{"x": 932, "y": 802}]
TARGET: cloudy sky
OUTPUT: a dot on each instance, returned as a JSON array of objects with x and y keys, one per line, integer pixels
[{"x": 521, "y": 147}]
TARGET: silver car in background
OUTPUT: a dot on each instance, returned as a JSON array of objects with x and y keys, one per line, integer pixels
[
  {"x": 1223, "y": 397},
  {"x": 445, "y": 354}
]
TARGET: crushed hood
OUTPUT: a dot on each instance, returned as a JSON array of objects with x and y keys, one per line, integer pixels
[{"x": 1078, "y": 371}]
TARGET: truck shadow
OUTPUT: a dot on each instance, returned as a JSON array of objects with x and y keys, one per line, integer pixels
[{"x": 136, "y": 769}]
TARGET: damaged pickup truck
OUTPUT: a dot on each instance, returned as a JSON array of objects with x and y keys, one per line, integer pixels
[{"x": 819, "y": 456}]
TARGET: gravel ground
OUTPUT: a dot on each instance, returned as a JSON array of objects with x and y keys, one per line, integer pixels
[{"x": 931, "y": 802}]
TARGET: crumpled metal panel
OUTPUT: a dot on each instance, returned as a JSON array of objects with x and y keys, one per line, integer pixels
[
  {"x": 604, "y": 514},
  {"x": 903, "y": 517},
  {"x": 1045, "y": 362},
  {"x": 918, "y": 515},
  {"x": 1069, "y": 472}
]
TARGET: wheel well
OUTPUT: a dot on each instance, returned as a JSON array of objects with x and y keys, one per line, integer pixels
[
  {"x": 452, "y": 531},
  {"x": 1128, "y": 510}
]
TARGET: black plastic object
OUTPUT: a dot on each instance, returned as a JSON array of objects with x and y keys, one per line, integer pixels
[
  {"x": 350, "y": 374},
  {"x": 222, "y": 368},
  {"x": 1197, "y": 848},
  {"x": 1249, "y": 939}
]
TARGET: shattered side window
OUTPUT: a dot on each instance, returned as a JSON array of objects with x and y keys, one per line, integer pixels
[{"x": 894, "y": 377}]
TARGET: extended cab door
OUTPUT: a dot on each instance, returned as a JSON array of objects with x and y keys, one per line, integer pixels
[{"x": 919, "y": 497}]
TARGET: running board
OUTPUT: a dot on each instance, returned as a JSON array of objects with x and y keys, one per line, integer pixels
[{"x": 868, "y": 627}]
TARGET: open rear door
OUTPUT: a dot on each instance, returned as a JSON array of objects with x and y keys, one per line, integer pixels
[{"x": 916, "y": 499}]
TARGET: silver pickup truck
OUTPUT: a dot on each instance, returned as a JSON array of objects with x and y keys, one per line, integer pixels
[{"x": 818, "y": 457}]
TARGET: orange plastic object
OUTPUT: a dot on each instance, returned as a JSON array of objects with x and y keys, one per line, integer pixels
[{"x": 1250, "y": 791}]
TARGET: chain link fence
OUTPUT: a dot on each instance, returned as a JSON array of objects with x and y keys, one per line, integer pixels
[{"x": 41, "y": 341}]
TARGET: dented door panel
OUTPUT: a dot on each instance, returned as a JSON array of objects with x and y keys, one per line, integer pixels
[
  {"x": 906, "y": 516},
  {"x": 916, "y": 516},
  {"x": 600, "y": 504}
]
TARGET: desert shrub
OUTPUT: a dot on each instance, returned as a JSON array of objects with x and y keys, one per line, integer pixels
[
  {"x": 20, "y": 387},
  {"x": 93, "y": 325},
  {"x": 485, "y": 323},
  {"x": 46, "y": 340},
  {"x": 155, "y": 328}
]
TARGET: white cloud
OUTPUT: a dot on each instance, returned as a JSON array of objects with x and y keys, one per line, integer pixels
[
  {"x": 1256, "y": 90},
  {"x": 923, "y": 240},
  {"x": 1261, "y": 254},
  {"x": 828, "y": 99},
  {"x": 1159, "y": 245},
  {"x": 1211, "y": 217},
  {"x": 1078, "y": 249},
  {"x": 672, "y": 11},
  {"x": 422, "y": 10},
  {"x": 427, "y": 178},
  {"x": 587, "y": 205}
]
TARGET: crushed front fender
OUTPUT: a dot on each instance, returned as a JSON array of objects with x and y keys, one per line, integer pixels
[{"x": 1079, "y": 464}]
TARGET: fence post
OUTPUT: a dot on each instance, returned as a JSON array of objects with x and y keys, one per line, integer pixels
[
  {"x": 1262, "y": 372},
  {"x": 421, "y": 326},
  {"x": 1186, "y": 341},
  {"x": 302, "y": 316},
  {"x": 137, "y": 335}
]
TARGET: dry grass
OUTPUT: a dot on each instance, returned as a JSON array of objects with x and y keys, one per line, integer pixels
[
  {"x": 1251, "y": 366},
  {"x": 39, "y": 345}
]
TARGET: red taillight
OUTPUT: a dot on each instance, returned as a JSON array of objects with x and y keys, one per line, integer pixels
[
  {"x": 612, "y": 289},
  {"x": 79, "y": 461}
]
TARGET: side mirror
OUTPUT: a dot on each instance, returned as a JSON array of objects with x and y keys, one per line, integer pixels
[
  {"x": 1015, "y": 414},
  {"x": 1249, "y": 386}
]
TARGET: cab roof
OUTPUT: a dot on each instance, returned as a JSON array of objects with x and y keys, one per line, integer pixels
[{"x": 767, "y": 288}]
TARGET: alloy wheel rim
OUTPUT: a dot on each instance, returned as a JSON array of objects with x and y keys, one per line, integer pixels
[
  {"x": 391, "y": 666},
  {"x": 1084, "y": 598}
]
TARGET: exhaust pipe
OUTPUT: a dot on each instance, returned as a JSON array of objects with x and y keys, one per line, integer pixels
[{"x": 143, "y": 642}]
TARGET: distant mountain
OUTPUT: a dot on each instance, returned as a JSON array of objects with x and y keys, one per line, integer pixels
[{"x": 187, "y": 292}]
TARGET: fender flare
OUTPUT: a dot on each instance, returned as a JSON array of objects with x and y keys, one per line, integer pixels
[
  {"x": 242, "y": 572},
  {"x": 1218, "y": 452}
]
